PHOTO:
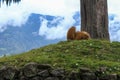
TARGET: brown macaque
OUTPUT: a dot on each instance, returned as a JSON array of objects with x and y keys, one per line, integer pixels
[
  {"x": 71, "y": 33},
  {"x": 79, "y": 35},
  {"x": 83, "y": 35}
]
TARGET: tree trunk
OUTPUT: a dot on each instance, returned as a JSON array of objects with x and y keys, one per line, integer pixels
[{"x": 94, "y": 18}]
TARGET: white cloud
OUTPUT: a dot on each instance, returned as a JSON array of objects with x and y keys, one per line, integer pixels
[
  {"x": 114, "y": 25},
  {"x": 14, "y": 15},
  {"x": 114, "y": 6},
  {"x": 114, "y": 28},
  {"x": 17, "y": 15},
  {"x": 53, "y": 7},
  {"x": 56, "y": 32}
]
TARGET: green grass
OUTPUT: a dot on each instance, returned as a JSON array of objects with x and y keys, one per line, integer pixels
[{"x": 72, "y": 55}]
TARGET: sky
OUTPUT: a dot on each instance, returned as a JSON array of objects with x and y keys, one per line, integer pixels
[{"x": 64, "y": 10}]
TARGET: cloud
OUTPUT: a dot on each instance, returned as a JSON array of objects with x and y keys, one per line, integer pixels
[
  {"x": 114, "y": 6},
  {"x": 114, "y": 27},
  {"x": 17, "y": 14},
  {"x": 14, "y": 15},
  {"x": 58, "y": 31},
  {"x": 53, "y": 7},
  {"x": 114, "y": 20},
  {"x": 63, "y": 8}
]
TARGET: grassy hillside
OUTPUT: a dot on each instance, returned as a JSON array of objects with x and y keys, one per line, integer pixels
[{"x": 72, "y": 55}]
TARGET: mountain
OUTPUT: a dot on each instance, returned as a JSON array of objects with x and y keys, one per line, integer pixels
[{"x": 20, "y": 39}]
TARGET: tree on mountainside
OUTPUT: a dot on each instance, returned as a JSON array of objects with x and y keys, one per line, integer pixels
[
  {"x": 8, "y": 2},
  {"x": 94, "y": 18}
]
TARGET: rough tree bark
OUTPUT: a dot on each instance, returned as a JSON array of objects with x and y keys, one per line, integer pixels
[{"x": 94, "y": 18}]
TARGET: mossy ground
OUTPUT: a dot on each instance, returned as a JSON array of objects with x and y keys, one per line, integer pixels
[{"x": 72, "y": 55}]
